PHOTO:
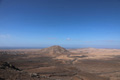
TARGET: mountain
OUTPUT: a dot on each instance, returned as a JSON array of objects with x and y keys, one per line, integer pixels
[{"x": 54, "y": 50}]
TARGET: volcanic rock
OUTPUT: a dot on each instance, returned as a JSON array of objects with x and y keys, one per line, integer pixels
[
  {"x": 4, "y": 65},
  {"x": 54, "y": 50}
]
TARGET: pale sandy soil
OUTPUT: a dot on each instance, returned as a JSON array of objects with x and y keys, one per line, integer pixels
[
  {"x": 93, "y": 53},
  {"x": 104, "y": 62},
  {"x": 64, "y": 57}
]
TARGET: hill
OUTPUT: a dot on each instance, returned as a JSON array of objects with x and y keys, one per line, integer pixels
[{"x": 54, "y": 50}]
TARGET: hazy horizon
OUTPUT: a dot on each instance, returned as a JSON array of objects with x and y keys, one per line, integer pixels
[
  {"x": 53, "y": 45},
  {"x": 68, "y": 23}
]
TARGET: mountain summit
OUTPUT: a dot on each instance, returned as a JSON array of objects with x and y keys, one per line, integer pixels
[{"x": 54, "y": 50}]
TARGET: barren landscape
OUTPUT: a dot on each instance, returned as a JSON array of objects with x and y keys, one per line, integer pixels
[
  {"x": 57, "y": 63},
  {"x": 59, "y": 39}
]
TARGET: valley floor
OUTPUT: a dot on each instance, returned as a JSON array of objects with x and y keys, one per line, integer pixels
[{"x": 80, "y": 64}]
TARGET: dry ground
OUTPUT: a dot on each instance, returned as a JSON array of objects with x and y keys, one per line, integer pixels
[{"x": 80, "y": 64}]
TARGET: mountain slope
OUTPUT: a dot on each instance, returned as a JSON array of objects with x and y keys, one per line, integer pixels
[{"x": 54, "y": 51}]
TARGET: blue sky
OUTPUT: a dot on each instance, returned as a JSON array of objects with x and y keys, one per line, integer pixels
[{"x": 68, "y": 23}]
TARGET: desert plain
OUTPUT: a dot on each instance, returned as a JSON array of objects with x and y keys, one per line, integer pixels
[{"x": 58, "y": 63}]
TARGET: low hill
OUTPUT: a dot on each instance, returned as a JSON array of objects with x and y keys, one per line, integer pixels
[{"x": 54, "y": 50}]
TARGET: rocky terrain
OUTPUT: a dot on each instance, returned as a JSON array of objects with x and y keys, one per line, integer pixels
[
  {"x": 54, "y": 51},
  {"x": 57, "y": 63}
]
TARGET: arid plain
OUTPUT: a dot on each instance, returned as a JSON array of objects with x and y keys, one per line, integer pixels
[{"x": 57, "y": 63}]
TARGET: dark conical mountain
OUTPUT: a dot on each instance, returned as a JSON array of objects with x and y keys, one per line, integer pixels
[{"x": 55, "y": 50}]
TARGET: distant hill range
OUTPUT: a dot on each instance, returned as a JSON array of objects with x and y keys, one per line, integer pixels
[{"x": 54, "y": 50}]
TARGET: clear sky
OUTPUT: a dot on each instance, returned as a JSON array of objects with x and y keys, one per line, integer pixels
[{"x": 68, "y": 23}]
